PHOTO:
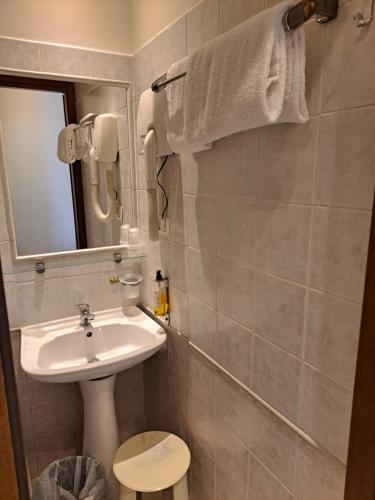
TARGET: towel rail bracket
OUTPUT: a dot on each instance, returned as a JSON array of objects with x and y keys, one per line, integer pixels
[{"x": 323, "y": 10}]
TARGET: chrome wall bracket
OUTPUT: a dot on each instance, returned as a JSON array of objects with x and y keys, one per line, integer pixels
[
  {"x": 364, "y": 17},
  {"x": 117, "y": 257},
  {"x": 40, "y": 267}
]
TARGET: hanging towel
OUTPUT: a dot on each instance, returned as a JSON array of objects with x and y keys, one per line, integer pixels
[
  {"x": 66, "y": 144},
  {"x": 175, "y": 109},
  {"x": 81, "y": 143},
  {"x": 251, "y": 76}
]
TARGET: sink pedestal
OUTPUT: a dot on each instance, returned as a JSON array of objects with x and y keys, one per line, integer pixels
[{"x": 100, "y": 436}]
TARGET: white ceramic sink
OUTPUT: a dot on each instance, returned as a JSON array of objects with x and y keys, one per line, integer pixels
[{"x": 64, "y": 351}]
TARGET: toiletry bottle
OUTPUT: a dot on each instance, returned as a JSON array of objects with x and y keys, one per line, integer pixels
[{"x": 161, "y": 302}]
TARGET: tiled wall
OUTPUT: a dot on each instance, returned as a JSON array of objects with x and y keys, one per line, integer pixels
[
  {"x": 266, "y": 259},
  {"x": 52, "y": 413},
  {"x": 100, "y": 99}
]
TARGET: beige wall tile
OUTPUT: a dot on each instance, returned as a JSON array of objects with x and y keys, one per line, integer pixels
[
  {"x": 3, "y": 222},
  {"x": 263, "y": 485},
  {"x": 122, "y": 128},
  {"x": 202, "y": 276},
  {"x": 202, "y": 473},
  {"x": 236, "y": 230},
  {"x": 332, "y": 332},
  {"x": 287, "y": 162},
  {"x": 276, "y": 377},
  {"x": 282, "y": 240},
  {"x": 173, "y": 43},
  {"x": 179, "y": 314},
  {"x": 338, "y": 251},
  {"x": 55, "y": 431},
  {"x": 348, "y": 75},
  {"x": 125, "y": 169},
  {"x": 202, "y": 325},
  {"x": 318, "y": 477},
  {"x": 109, "y": 66},
  {"x": 202, "y": 428},
  {"x": 114, "y": 295},
  {"x": 44, "y": 393},
  {"x": 15, "y": 339},
  {"x": 170, "y": 176},
  {"x": 279, "y": 312},
  {"x": 177, "y": 265},
  {"x": 235, "y": 296},
  {"x": 39, "y": 302},
  {"x": 261, "y": 433},
  {"x": 17, "y": 54},
  {"x": 179, "y": 423},
  {"x": 199, "y": 172},
  {"x": 233, "y": 348},
  {"x": 147, "y": 66},
  {"x": 64, "y": 60},
  {"x": 202, "y": 378},
  {"x": 177, "y": 217},
  {"x": 200, "y": 491},
  {"x": 27, "y": 428},
  {"x": 87, "y": 289},
  {"x": 12, "y": 310},
  {"x": 326, "y": 411},
  {"x": 178, "y": 358},
  {"x": 202, "y": 24},
  {"x": 231, "y": 465},
  {"x": 202, "y": 222},
  {"x": 315, "y": 38},
  {"x": 346, "y": 159},
  {"x": 238, "y": 158},
  {"x": 6, "y": 258},
  {"x": 233, "y": 12}
]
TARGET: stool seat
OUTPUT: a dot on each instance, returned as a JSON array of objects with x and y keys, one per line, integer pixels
[{"x": 151, "y": 461}]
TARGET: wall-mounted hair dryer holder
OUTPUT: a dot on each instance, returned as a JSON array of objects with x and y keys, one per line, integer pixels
[{"x": 103, "y": 154}]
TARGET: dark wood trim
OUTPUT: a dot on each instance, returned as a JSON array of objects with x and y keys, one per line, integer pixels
[
  {"x": 76, "y": 173},
  {"x": 13, "y": 472},
  {"x": 360, "y": 476},
  {"x": 68, "y": 90}
]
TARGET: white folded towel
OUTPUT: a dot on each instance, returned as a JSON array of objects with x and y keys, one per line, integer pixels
[
  {"x": 175, "y": 100},
  {"x": 175, "y": 109},
  {"x": 66, "y": 144},
  {"x": 251, "y": 76},
  {"x": 81, "y": 142}
]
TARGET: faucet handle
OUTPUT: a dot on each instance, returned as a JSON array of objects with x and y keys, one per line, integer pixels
[{"x": 83, "y": 308}]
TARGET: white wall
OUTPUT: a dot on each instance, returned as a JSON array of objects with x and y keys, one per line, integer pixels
[
  {"x": 111, "y": 25},
  {"x": 149, "y": 17},
  {"x": 94, "y": 24},
  {"x": 40, "y": 188}
]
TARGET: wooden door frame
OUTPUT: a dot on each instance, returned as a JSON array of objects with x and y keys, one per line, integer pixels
[
  {"x": 360, "y": 473},
  {"x": 68, "y": 90},
  {"x": 13, "y": 472}
]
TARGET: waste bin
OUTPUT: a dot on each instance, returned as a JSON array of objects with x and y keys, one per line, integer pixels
[{"x": 71, "y": 478}]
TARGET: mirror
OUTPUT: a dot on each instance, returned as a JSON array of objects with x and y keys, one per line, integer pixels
[{"x": 53, "y": 203}]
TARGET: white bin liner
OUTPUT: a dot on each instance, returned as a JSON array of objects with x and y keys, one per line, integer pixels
[{"x": 71, "y": 478}]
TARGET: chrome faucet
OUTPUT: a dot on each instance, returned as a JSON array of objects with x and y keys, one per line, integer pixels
[{"x": 86, "y": 315}]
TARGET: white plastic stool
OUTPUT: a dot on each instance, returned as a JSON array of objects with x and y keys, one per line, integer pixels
[{"x": 151, "y": 462}]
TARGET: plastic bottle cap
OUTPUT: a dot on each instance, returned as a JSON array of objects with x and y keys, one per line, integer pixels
[{"x": 159, "y": 276}]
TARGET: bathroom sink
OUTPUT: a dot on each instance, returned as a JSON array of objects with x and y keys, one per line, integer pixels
[{"x": 64, "y": 351}]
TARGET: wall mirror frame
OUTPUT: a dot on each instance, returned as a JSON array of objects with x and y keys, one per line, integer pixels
[{"x": 65, "y": 85}]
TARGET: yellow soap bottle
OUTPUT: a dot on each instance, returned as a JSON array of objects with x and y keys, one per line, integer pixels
[{"x": 161, "y": 302}]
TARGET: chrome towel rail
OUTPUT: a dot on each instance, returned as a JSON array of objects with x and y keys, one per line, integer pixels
[{"x": 323, "y": 10}]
